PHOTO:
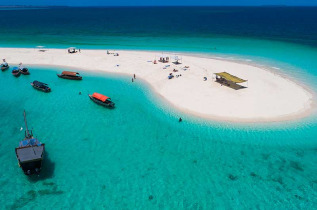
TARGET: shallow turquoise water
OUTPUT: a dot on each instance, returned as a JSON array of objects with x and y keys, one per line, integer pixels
[{"x": 118, "y": 159}]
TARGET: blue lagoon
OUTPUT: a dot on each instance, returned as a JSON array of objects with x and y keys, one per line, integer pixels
[{"x": 138, "y": 156}]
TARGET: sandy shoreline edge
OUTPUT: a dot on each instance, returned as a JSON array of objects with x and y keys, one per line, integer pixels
[{"x": 269, "y": 98}]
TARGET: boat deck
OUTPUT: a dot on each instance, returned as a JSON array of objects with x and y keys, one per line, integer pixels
[{"x": 26, "y": 154}]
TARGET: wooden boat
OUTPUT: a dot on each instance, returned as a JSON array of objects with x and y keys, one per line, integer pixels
[
  {"x": 16, "y": 72},
  {"x": 70, "y": 75},
  {"x": 25, "y": 71},
  {"x": 102, "y": 100},
  {"x": 30, "y": 153},
  {"x": 4, "y": 67},
  {"x": 40, "y": 86}
]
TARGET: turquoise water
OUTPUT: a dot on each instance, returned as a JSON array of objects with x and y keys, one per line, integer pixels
[
  {"x": 138, "y": 156},
  {"x": 121, "y": 158}
]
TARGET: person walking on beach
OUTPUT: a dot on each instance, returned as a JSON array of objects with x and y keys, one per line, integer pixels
[
  {"x": 79, "y": 50},
  {"x": 134, "y": 76}
]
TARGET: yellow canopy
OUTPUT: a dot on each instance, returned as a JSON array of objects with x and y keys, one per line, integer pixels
[{"x": 230, "y": 77}]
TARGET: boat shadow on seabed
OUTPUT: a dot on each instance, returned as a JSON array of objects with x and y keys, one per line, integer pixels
[{"x": 47, "y": 170}]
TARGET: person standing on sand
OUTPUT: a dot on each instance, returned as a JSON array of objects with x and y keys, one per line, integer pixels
[{"x": 134, "y": 76}]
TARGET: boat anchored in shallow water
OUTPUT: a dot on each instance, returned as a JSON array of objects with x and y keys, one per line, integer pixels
[
  {"x": 16, "y": 72},
  {"x": 102, "y": 100},
  {"x": 70, "y": 75},
  {"x": 4, "y": 65},
  {"x": 24, "y": 71},
  {"x": 30, "y": 153},
  {"x": 41, "y": 86}
]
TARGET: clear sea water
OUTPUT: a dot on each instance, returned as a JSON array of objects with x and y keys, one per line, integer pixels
[{"x": 138, "y": 156}]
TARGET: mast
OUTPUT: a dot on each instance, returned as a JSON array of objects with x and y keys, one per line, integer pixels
[{"x": 26, "y": 126}]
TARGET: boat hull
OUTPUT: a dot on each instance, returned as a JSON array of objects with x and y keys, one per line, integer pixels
[
  {"x": 16, "y": 74},
  {"x": 3, "y": 68},
  {"x": 40, "y": 89},
  {"x": 33, "y": 166},
  {"x": 25, "y": 72},
  {"x": 101, "y": 103},
  {"x": 69, "y": 77}
]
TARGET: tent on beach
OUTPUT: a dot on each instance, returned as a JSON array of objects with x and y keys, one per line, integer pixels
[
  {"x": 177, "y": 59},
  {"x": 163, "y": 58},
  {"x": 230, "y": 80}
]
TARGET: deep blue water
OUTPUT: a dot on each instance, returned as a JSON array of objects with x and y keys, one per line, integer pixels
[
  {"x": 95, "y": 27},
  {"x": 119, "y": 159}
]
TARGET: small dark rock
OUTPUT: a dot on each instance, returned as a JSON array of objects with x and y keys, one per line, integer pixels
[
  {"x": 299, "y": 197},
  {"x": 296, "y": 165},
  {"x": 232, "y": 177},
  {"x": 253, "y": 174}
]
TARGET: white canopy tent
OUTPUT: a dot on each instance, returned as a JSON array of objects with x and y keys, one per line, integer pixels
[
  {"x": 177, "y": 59},
  {"x": 163, "y": 58}
]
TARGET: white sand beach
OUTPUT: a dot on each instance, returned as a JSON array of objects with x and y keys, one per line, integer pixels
[{"x": 268, "y": 97}]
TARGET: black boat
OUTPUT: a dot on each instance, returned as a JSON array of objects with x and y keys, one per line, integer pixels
[
  {"x": 16, "y": 72},
  {"x": 102, "y": 100},
  {"x": 40, "y": 86},
  {"x": 25, "y": 71},
  {"x": 70, "y": 75},
  {"x": 4, "y": 67},
  {"x": 30, "y": 153}
]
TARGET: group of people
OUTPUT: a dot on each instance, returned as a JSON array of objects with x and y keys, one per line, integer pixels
[
  {"x": 114, "y": 54},
  {"x": 73, "y": 50}
]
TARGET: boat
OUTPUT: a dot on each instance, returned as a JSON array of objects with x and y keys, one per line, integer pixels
[
  {"x": 40, "y": 86},
  {"x": 4, "y": 67},
  {"x": 25, "y": 71},
  {"x": 30, "y": 153},
  {"x": 16, "y": 72},
  {"x": 102, "y": 100},
  {"x": 70, "y": 75}
]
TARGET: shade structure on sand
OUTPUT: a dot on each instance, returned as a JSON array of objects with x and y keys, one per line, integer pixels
[{"x": 230, "y": 77}]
